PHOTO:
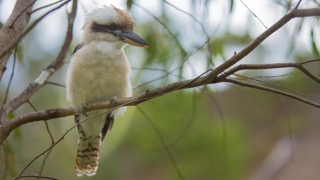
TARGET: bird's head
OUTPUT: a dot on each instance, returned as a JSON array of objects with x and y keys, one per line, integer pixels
[{"x": 112, "y": 25}]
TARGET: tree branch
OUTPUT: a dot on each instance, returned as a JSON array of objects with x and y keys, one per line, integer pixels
[
  {"x": 256, "y": 42},
  {"x": 11, "y": 44},
  {"x": 9, "y": 126},
  {"x": 298, "y": 65},
  {"x": 47, "y": 72},
  {"x": 40, "y": 81},
  {"x": 14, "y": 26},
  {"x": 276, "y": 91}
]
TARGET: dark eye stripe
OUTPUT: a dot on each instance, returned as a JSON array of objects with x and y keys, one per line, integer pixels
[
  {"x": 111, "y": 27},
  {"x": 104, "y": 28}
]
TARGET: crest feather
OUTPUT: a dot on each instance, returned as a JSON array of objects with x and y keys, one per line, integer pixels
[{"x": 125, "y": 18}]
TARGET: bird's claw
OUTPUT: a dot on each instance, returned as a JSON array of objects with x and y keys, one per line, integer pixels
[
  {"x": 113, "y": 101},
  {"x": 84, "y": 111}
]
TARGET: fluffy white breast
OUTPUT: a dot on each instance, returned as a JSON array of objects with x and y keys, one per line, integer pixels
[{"x": 98, "y": 71}]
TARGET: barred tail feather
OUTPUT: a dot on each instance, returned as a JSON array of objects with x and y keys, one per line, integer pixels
[{"x": 88, "y": 155}]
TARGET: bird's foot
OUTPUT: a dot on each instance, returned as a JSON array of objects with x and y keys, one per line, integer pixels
[
  {"x": 113, "y": 101},
  {"x": 83, "y": 110}
]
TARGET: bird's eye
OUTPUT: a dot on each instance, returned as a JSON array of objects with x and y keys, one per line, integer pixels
[
  {"x": 112, "y": 27},
  {"x": 104, "y": 28}
]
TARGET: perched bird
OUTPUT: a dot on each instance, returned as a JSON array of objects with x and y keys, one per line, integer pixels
[{"x": 99, "y": 70}]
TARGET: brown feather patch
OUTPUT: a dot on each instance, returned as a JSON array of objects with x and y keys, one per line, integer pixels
[{"x": 126, "y": 21}]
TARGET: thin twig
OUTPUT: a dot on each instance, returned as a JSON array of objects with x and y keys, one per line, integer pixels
[
  {"x": 276, "y": 91},
  {"x": 298, "y": 4},
  {"x": 167, "y": 73},
  {"x": 48, "y": 71},
  {"x": 55, "y": 84},
  {"x": 26, "y": 31},
  {"x": 32, "y": 106},
  {"x": 34, "y": 176},
  {"x": 289, "y": 125},
  {"x": 224, "y": 132},
  {"x": 278, "y": 86},
  {"x": 183, "y": 51},
  {"x": 49, "y": 152},
  {"x": 298, "y": 65},
  {"x": 59, "y": 140},
  {"x": 52, "y": 142},
  {"x": 44, "y": 152},
  {"x": 163, "y": 143},
  {"x": 256, "y": 42},
  {"x": 11, "y": 76},
  {"x": 151, "y": 81},
  {"x": 189, "y": 122},
  {"x": 48, "y": 5},
  {"x": 269, "y": 76},
  {"x": 198, "y": 22},
  {"x": 254, "y": 14}
]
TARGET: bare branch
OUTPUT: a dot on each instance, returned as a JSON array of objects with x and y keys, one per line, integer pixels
[
  {"x": 183, "y": 51},
  {"x": 16, "y": 39},
  {"x": 189, "y": 122},
  {"x": 254, "y": 14},
  {"x": 45, "y": 73},
  {"x": 8, "y": 126},
  {"x": 49, "y": 152},
  {"x": 298, "y": 4},
  {"x": 17, "y": 22},
  {"x": 56, "y": 84},
  {"x": 34, "y": 176},
  {"x": 273, "y": 85},
  {"x": 276, "y": 91},
  {"x": 199, "y": 23},
  {"x": 163, "y": 143},
  {"x": 11, "y": 76},
  {"x": 48, "y": 5},
  {"x": 298, "y": 65},
  {"x": 256, "y": 42},
  {"x": 45, "y": 151}
]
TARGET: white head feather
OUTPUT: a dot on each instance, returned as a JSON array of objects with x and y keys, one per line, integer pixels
[{"x": 106, "y": 16}]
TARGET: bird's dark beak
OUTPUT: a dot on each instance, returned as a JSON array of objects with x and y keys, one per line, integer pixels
[{"x": 131, "y": 38}]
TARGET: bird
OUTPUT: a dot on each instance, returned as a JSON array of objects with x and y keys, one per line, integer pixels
[{"x": 99, "y": 70}]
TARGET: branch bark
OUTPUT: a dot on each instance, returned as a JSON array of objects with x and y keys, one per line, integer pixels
[
  {"x": 284, "y": 20},
  {"x": 272, "y": 66},
  {"x": 276, "y": 91},
  {"x": 41, "y": 80},
  {"x": 13, "y": 28},
  {"x": 45, "y": 73}
]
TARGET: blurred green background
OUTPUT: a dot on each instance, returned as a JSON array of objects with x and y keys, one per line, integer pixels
[{"x": 219, "y": 131}]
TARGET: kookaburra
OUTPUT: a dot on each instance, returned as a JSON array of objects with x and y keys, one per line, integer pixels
[{"x": 99, "y": 70}]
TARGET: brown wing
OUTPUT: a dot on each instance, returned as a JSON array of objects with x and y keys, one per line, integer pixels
[{"x": 108, "y": 125}]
